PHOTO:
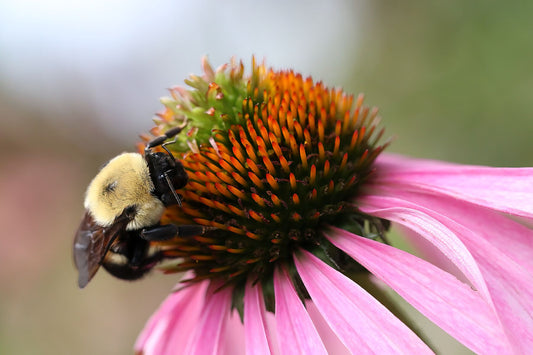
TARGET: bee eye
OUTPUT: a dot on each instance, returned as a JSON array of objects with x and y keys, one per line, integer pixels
[{"x": 130, "y": 211}]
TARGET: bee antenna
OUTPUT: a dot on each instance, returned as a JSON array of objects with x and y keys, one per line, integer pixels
[
  {"x": 174, "y": 131},
  {"x": 169, "y": 182},
  {"x": 157, "y": 141}
]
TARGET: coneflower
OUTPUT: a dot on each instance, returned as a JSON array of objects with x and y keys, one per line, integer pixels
[{"x": 290, "y": 173}]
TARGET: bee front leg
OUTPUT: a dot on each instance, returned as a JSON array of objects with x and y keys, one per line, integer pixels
[{"x": 169, "y": 231}]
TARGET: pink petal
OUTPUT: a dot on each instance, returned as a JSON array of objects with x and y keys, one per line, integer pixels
[
  {"x": 505, "y": 268},
  {"x": 429, "y": 228},
  {"x": 209, "y": 330},
  {"x": 512, "y": 296},
  {"x": 504, "y": 189},
  {"x": 171, "y": 324},
  {"x": 330, "y": 340},
  {"x": 510, "y": 237},
  {"x": 446, "y": 301},
  {"x": 358, "y": 319},
  {"x": 234, "y": 338},
  {"x": 258, "y": 340},
  {"x": 296, "y": 332}
]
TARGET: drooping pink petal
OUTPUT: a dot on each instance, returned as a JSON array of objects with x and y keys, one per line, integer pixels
[
  {"x": 449, "y": 303},
  {"x": 258, "y": 337},
  {"x": 234, "y": 338},
  {"x": 296, "y": 332},
  {"x": 429, "y": 228},
  {"x": 170, "y": 326},
  {"x": 330, "y": 340},
  {"x": 508, "y": 190},
  {"x": 358, "y": 319},
  {"x": 512, "y": 296},
  {"x": 208, "y": 335},
  {"x": 505, "y": 268},
  {"x": 508, "y": 236}
]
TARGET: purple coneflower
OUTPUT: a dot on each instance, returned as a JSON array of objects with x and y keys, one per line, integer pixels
[{"x": 291, "y": 174}]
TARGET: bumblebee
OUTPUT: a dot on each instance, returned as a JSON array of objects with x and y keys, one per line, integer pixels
[{"x": 123, "y": 207}]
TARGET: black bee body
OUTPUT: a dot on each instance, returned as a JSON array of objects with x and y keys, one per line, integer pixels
[{"x": 124, "y": 204}]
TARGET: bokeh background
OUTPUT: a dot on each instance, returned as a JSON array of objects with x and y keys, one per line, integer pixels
[{"x": 80, "y": 80}]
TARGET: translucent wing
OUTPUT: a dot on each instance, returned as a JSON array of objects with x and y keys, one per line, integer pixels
[{"x": 91, "y": 244}]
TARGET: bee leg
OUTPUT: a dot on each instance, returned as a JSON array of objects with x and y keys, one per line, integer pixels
[{"x": 169, "y": 231}]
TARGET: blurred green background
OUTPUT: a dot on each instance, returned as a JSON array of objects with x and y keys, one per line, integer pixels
[{"x": 80, "y": 80}]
